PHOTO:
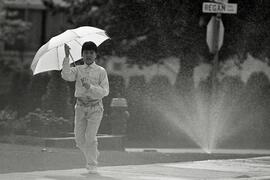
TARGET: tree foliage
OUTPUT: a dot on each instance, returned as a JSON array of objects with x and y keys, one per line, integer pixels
[
  {"x": 151, "y": 29},
  {"x": 143, "y": 30},
  {"x": 247, "y": 31}
]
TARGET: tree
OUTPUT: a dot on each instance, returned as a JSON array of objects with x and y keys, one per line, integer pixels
[{"x": 247, "y": 32}]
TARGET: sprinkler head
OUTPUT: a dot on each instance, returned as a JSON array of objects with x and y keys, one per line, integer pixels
[{"x": 207, "y": 150}]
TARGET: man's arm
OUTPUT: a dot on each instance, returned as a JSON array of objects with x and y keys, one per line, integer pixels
[
  {"x": 101, "y": 90},
  {"x": 68, "y": 73}
]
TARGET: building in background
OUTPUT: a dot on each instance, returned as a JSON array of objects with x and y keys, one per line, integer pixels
[{"x": 44, "y": 25}]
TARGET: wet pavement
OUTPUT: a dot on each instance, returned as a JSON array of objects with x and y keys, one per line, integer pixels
[
  {"x": 21, "y": 162},
  {"x": 248, "y": 168}
]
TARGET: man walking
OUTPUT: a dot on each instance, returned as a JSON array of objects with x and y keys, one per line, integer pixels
[{"x": 91, "y": 85}]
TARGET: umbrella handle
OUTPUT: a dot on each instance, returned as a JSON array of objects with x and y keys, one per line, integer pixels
[{"x": 72, "y": 59}]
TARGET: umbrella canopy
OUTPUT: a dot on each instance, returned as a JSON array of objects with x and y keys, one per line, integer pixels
[{"x": 50, "y": 56}]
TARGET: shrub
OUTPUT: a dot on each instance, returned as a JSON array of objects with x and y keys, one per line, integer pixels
[
  {"x": 18, "y": 91},
  {"x": 8, "y": 122},
  {"x": 35, "y": 90},
  {"x": 45, "y": 123},
  {"x": 57, "y": 97}
]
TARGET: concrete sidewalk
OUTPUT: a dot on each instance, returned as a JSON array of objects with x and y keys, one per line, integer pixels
[{"x": 251, "y": 168}]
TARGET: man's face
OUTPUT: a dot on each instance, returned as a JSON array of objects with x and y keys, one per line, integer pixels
[{"x": 89, "y": 56}]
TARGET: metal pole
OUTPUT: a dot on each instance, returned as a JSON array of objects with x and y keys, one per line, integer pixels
[
  {"x": 215, "y": 60},
  {"x": 214, "y": 79}
]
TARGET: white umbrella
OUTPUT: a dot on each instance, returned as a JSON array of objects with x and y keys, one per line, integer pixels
[{"x": 51, "y": 55}]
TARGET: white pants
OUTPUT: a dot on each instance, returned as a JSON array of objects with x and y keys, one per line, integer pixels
[{"x": 87, "y": 121}]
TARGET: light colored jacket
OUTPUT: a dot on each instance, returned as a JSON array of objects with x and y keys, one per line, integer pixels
[{"x": 95, "y": 75}]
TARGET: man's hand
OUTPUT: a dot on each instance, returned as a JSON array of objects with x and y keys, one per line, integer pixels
[
  {"x": 85, "y": 84},
  {"x": 67, "y": 48}
]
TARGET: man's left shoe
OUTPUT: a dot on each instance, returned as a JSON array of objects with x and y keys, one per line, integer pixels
[{"x": 91, "y": 169}]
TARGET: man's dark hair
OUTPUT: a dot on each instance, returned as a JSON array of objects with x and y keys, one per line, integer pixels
[{"x": 89, "y": 46}]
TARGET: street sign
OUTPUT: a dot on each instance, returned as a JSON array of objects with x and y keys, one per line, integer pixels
[
  {"x": 231, "y": 8},
  {"x": 215, "y": 34},
  {"x": 226, "y": 8}
]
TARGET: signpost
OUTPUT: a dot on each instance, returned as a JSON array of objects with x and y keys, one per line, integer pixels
[{"x": 214, "y": 39}]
